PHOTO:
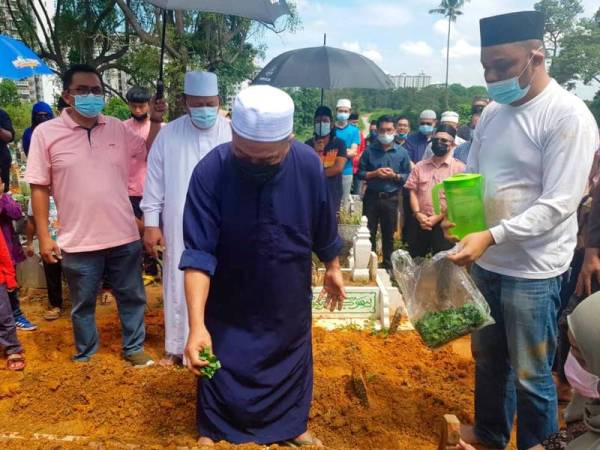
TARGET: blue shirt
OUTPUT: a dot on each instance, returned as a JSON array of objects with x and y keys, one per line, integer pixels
[
  {"x": 462, "y": 152},
  {"x": 350, "y": 135},
  {"x": 415, "y": 145},
  {"x": 375, "y": 157}
]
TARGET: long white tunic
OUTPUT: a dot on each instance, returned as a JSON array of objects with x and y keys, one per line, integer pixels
[{"x": 177, "y": 149}]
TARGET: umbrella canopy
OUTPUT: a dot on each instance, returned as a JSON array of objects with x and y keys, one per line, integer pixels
[
  {"x": 263, "y": 10},
  {"x": 323, "y": 67},
  {"x": 17, "y": 61}
]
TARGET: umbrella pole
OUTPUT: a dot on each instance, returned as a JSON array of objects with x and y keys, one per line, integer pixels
[
  {"x": 160, "y": 85},
  {"x": 323, "y": 90}
]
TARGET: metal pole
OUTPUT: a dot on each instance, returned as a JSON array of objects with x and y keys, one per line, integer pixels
[
  {"x": 323, "y": 90},
  {"x": 160, "y": 85}
]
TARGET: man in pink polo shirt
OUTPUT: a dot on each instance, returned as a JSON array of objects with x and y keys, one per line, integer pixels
[
  {"x": 84, "y": 157},
  {"x": 138, "y": 100}
]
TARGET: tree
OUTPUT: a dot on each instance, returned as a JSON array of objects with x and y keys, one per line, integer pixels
[
  {"x": 579, "y": 58},
  {"x": 559, "y": 19},
  {"x": 125, "y": 35},
  {"x": 20, "y": 116},
  {"x": 9, "y": 95},
  {"x": 594, "y": 106},
  {"x": 450, "y": 9},
  {"x": 116, "y": 107},
  {"x": 87, "y": 31}
]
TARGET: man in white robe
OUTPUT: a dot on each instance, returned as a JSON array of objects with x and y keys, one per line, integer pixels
[{"x": 180, "y": 145}]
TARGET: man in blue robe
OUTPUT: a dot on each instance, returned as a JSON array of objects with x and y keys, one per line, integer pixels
[{"x": 256, "y": 209}]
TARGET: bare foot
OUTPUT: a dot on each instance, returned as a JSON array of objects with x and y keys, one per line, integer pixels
[
  {"x": 205, "y": 442},
  {"x": 171, "y": 360},
  {"x": 467, "y": 434},
  {"x": 308, "y": 438}
]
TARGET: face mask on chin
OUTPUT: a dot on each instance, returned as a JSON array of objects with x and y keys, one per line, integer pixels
[{"x": 139, "y": 117}]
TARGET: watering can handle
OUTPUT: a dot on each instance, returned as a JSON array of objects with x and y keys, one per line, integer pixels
[{"x": 435, "y": 197}]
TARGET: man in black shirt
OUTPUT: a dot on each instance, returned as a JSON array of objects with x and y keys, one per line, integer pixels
[{"x": 7, "y": 134}]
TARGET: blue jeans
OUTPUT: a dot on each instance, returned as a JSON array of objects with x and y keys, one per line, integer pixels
[
  {"x": 513, "y": 360},
  {"x": 84, "y": 273}
]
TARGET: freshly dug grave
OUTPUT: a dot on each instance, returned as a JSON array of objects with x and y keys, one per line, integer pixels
[{"x": 371, "y": 391}]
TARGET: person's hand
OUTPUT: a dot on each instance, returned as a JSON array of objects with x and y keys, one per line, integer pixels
[
  {"x": 388, "y": 173},
  {"x": 333, "y": 287},
  {"x": 49, "y": 250},
  {"x": 423, "y": 221},
  {"x": 157, "y": 109},
  {"x": 472, "y": 247},
  {"x": 29, "y": 249},
  {"x": 462, "y": 445},
  {"x": 153, "y": 238},
  {"x": 197, "y": 341},
  {"x": 447, "y": 229},
  {"x": 590, "y": 272}
]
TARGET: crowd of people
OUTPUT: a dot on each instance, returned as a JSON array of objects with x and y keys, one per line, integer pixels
[{"x": 235, "y": 208}]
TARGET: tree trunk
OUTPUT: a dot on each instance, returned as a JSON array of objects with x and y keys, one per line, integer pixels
[{"x": 448, "y": 58}]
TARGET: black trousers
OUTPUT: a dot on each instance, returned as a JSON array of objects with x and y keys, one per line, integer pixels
[
  {"x": 382, "y": 212},
  {"x": 422, "y": 242},
  {"x": 53, "y": 274}
]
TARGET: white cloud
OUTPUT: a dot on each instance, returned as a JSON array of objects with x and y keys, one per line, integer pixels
[
  {"x": 462, "y": 49},
  {"x": 370, "y": 52},
  {"x": 381, "y": 15},
  {"x": 373, "y": 55},
  {"x": 351, "y": 46},
  {"x": 419, "y": 48}
]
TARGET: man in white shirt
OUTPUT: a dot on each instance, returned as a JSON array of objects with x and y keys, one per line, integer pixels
[
  {"x": 534, "y": 145},
  {"x": 177, "y": 150}
]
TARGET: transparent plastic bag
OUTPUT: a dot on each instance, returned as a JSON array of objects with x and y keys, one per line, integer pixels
[
  {"x": 30, "y": 273},
  {"x": 442, "y": 300}
]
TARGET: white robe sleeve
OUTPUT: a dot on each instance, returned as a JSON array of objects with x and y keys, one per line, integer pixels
[
  {"x": 567, "y": 157},
  {"x": 154, "y": 188}
]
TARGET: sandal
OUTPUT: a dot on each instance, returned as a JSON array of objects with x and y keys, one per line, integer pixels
[
  {"x": 309, "y": 441},
  {"x": 15, "y": 362}
]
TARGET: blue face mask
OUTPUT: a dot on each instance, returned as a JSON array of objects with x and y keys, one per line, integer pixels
[
  {"x": 89, "y": 106},
  {"x": 426, "y": 129},
  {"x": 322, "y": 128},
  {"x": 204, "y": 116},
  {"x": 402, "y": 135},
  {"x": 342, "y": 117},
  {"x": 510, "y": 90}
]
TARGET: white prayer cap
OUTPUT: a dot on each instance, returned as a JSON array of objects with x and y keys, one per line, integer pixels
[
  {"x": 200, "y": 84},
  {"x": 450, "y": 116},
  {"x": 344, "y": 103},
  {"x": 428, "y": 114},
  {"x": 263, "y": 113}
]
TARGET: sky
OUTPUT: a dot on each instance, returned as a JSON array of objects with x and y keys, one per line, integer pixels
[{"x": 401, "y": 36}]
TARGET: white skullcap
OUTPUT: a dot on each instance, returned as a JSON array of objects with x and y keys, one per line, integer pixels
[
  {"x": 450, "y": 116},
  {"x": 428, "y": 114},
  {"x": 263, "y": 113},
  {"x": 344, "y": 103},
  {"x": 200, "y": 84}
]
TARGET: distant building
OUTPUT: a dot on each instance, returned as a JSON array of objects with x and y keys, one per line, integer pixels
[{"x": 411, "y": 81}]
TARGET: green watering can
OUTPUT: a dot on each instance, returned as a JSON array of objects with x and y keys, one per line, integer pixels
[{"x": 464, "y": 197}]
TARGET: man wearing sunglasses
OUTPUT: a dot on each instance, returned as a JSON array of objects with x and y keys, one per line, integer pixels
[{"x": 84, "y": 158}]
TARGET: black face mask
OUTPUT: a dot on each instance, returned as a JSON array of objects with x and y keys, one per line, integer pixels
[
  {"x": 140, "y": 118},
  {"x": 258, "y": 174},
  {"x": 438, "y": 148},
  {"x": 37, "y": 119},
  {"x": 477, "y": 109}
]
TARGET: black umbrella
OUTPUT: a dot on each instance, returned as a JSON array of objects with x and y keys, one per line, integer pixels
[
  {"x": 323, "y": 67},
  {"x": 266, "y": 11}
]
